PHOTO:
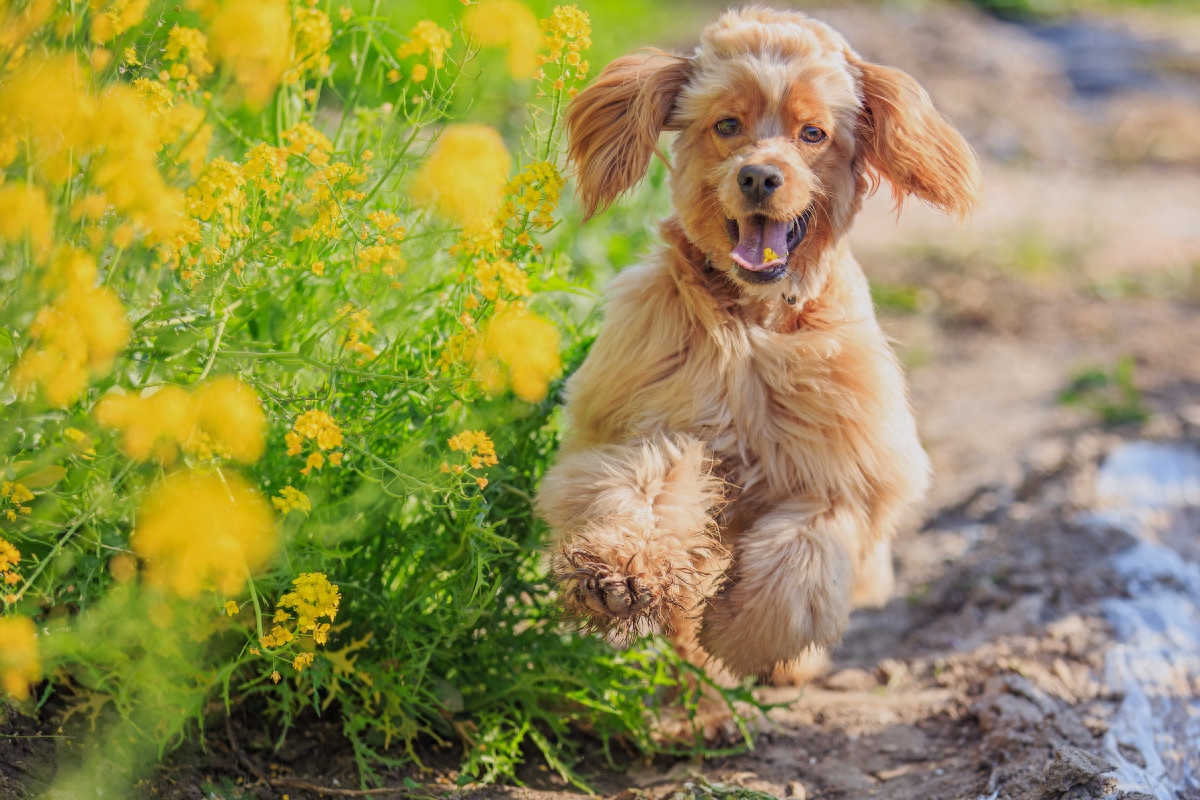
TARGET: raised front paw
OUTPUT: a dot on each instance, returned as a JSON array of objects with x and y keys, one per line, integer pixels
[{"x": 622, "y": 593}]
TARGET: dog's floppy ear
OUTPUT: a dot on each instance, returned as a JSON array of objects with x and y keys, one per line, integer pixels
[
  {"x": 613, "y": 124},
  {"x": 904, "y": 139}
]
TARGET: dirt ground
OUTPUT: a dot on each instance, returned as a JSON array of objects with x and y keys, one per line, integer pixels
[{"x": 986, "y": 676}]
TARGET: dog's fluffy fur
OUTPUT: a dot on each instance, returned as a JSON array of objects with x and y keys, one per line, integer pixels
[{"x": 741, "y": 445}]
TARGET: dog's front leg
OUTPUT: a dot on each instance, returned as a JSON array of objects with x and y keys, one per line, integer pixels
[
  {"x": 635, "y": 544},
  {"x": 789, "y": 588}
]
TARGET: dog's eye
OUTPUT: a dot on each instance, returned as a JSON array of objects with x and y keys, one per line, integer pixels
[
  {"x": 729, "y": 127},
  {"x": 812, "y": 134}
]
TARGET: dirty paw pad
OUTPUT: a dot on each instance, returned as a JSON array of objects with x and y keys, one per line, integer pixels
[{"x": 622, "y": 602}]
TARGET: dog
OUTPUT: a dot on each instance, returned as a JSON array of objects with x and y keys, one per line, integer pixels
[{"x": 741, "y": 447}]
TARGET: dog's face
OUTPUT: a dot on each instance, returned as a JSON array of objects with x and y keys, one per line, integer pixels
[{"x": 782, "y": 131}]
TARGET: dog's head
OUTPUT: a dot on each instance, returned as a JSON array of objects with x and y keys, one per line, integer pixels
[{"x": 783, "y": 129}]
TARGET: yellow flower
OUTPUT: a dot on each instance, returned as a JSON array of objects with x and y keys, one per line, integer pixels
[
  {"x": 463, "y": 178},
  {"x": 79, "y": 335},
  {"x": 218, "y": 191},
  {"x": 319, "y": 426},
  {"x": 520, "y": 349},
  {"x": 253, "y": 38},
  {"x": 506, "y": 23},
  {"x": 10, "y": 556},
  {"x": 265, "y": 167},
  {"x": 278, "y": 637},
  {"x": 230, "y": 413},
  {"x": 275, "y": 676},
  {"x": 123, "y": 134},
  {"x": 44, "y": 103},
  {"x": 231, "y": 608},
  {"x": 567, "y": 24},
  {"x": 117, "y": 17},
  {"x": 25, "y": 212},
  {"x": 419, "y": 73},
  {"x": 314, "y": 460},
  {"x": 427, "y": 37},
  {"x": 20, "y": 664},
  {"x": 188, "y": 47},
  {"x": 303, "y": 139},
  {"x": 291, "y": 499},
  {"x": 222, "y": 418},
  {"x": 535, "y": 193},
  {"x": 195, "y": 530},
  {"x": 301, "y": 661}
]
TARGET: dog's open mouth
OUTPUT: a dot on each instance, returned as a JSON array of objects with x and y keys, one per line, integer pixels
[{"x": 761, "y": 245}]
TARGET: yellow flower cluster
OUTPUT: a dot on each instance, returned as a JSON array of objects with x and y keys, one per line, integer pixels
[
  {"x": 112, "y": 19},
  {"x": 535, "y": 191},
  {"x": 320, "y": 427},
  {"x": 291, "y": 499},
  {"x": 306, "y": 141},
  {"x": 15, "y": 495},
  {"x": 464, "y": 176},
  {"x": 20, "y": 664},
  {"x": 311, "y": 37},
  {"x": 521, "y": 350},
  {"x": 314, "y": 597},
  {"x": 427, "y": 37},
  {"x": 506, "y": 23},
  {"x": 358, "y": 325},
  {"x": 10, "y": 557},
  {"x": 385, "y": 252},
  {"x": 76, "y": 336},
  {"x": 331, "y": 188},
  {"x": 222, "y": 418},
  {"x": 480, "y": 451},
  {"x": 200, "y": 530},
  {"x": 501, "y": 273},
  {"x": 186, "y": 53},
  {"x": 265, "y": 167},
  {"x": 567, "y": 34},
  {"x": 219, "y": 192}
]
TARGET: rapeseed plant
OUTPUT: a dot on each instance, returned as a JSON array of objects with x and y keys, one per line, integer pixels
[{"x": 228, "y": 298}]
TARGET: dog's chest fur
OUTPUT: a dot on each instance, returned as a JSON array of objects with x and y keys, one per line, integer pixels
[{"x": 788, "y": 399}]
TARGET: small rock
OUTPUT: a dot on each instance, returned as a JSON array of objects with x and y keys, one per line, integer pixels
[
  {"x": 891, "y": 671},
  {"x": 795, "y": 789},
  {"x": 851, "y": 680},
  {"x": 1048, "y": 455},
  {"x": 1072, "y": 766}
]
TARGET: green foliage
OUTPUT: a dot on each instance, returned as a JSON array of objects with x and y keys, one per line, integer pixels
[
  {"x": 231, "y": 285},
  {"x": 1111, "y": 393}
]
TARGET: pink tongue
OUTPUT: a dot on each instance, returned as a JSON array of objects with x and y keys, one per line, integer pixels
[{"x": 757, "y": 235}]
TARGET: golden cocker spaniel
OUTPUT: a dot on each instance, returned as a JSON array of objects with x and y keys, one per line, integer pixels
[{"x": 741, "y": 444}]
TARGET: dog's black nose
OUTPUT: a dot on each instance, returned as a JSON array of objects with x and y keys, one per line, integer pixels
[{"x": 758, "y": 181}]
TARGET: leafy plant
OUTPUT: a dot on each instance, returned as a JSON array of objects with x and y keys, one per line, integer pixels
[
  {"x": 280, "y": 381},
  {"x": 1111, "y": 393}
]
